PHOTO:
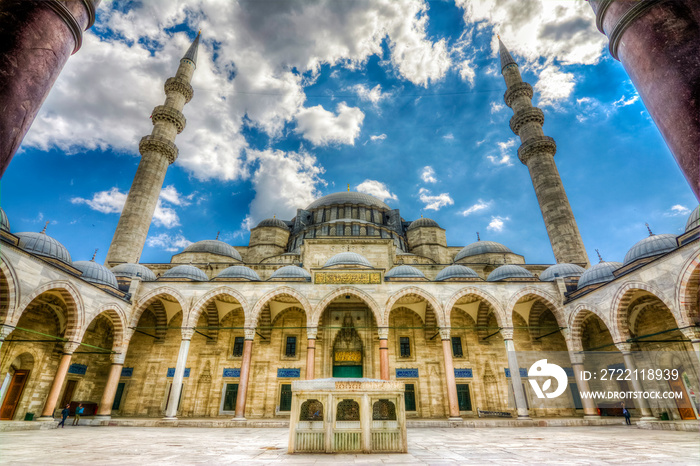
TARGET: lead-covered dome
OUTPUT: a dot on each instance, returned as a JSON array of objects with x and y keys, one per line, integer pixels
[
  {"x": 186, "y": 272},
  {"x": 42, "y": 244},
  {"x": 132, "y": 271},
  {"x": 273, "y": 222},
  {"x": 693, "y": 219},
  {"x": 651, "y": 246},
  {"x": 561, "y": 271},
  {"x": 4, "y": 221},
  {"x": 347, "y": 197},
  {"x": 96, "y": 273},
  {"x": 348, "y": 258},
  {"x": 239, "y": 272},
  {"x": 455, "y": 271},
  {"x": 482, "y": 247},
  {"x": 599, "y": 273},
  {"x": 214, "y": 246},
  {"x": 404, "y": 271},
  {"x": 291, "y": 272},
  {"x": 423, "y": 222},
  {"x": 505, "y": 272}
]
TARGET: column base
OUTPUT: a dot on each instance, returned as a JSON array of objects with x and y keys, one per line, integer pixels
[
  {"x": 524, "y": 417},
  {"x": 170, "y": 418},
  {"x": 45, "y": 418},
  {"x": 591, "y": 416},
  {"x": 455, "y": 419},
  {"x": 648, "y": 418},
  {"x": 239, "y": 419},
  {"x": 103, "y": 417}
]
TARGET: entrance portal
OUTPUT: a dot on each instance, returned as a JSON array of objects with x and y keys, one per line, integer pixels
[{"x": 347, "y": 350}]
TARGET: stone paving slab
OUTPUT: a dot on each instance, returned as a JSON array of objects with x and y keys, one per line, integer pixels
[{"x": 187, "y": 445}]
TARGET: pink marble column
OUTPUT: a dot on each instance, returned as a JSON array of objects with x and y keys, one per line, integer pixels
[
  {"x": 310, "y": 352},
  {"x": 590, "y": 410},
  {"x": 626, "y": 350},
  {"x": 383, "y": 353},
  {"x": 245, "y": 375},
  {"x": 450, "y": 375},
  {"x": 57, "y": 385},
  {"x": 104, "y": 411}
]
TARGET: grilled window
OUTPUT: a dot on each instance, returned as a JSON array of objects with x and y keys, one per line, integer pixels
[
  {"x": 405, "y": 347},
  {"x": 291, "y": 347},
  {"x": 238, "y": 347},
  {"x": 457, "y": 347}
]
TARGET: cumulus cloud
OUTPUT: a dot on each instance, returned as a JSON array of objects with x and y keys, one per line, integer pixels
[
  {"x": 554, "y": 86},
  {"x": 478, "y": 207},
  {"x": 377, "y": 189},
  {"x": 677, "y": 210},
  {"x": 377, "y": 137},
  {"x": 428, "y": 175},
  {"x": 171, "y": 243},
  {"x": 497, "y": 223},
  {"x": 504, "y": 155},
  {"x": 624, "y": 102},
  {"x": 467, "y": 72},
  {"x": 374, "y": 95},
  {"x": 434, "y": 202},
  {"x": 107, "y": 202},
  {"x": 497, "y": 107},
  {"x": 321, "y": 127}
]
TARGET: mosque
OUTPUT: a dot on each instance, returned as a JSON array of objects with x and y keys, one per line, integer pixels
[{"x": 346, "y": 288}]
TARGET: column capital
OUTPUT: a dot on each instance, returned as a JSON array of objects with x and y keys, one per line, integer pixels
[
  {"x": 383, "y": 333},
  {"x": 624, "y": 347},
  {"x": 692, "y": 334},
  {"x": 69, "y": 347},
  {"x": 187, "y": 333},
  {"x": 249, "y": 333},
  {"x": 118, "y": 358},
  {"x": 5, "y": 330},
  {"x": 576, "y": 358},
  {"x": 311, "y": 333},
  {"x": 507, "y": 333},
  {"x": 445, "y": 333}
]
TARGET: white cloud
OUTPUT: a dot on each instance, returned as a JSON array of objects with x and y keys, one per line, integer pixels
[
  {"x": 322, "y": 127},
  {"x": 497, "y": 107},
  {"x": 167, "y": 242},
  {"x": 497, "y": 223},
  {"x": 434, "y": 202},
  {"x": 376, "y": 189},
  {"x": 449, "y": 137},
  {"x": 467, "y": 72},
  {"x": 377, "y": 137},
  {"x": 428, "y": 175},
  {"x": 373, "y": 95},
  {"x": 624, "y": 102},
  {"x": 478, "y": 207},
  {"x": 107, "y": 202},
  {"x": 554, "y": 86},
  {"x": 677, "y": 210},
  {"x": 171, "y": 195},
  {"x": 165, "y": 216},
  {"x": 504, "y": 156}
]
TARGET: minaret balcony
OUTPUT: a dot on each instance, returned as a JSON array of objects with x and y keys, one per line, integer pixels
[
  {"x": 520, "y": 89},
  {"x": 170, "y": 115},
  {"x": 177, "y": 84},
  {"x": 542, "y": 145},
  {"x": 159, "y": 145},
  {"x": 530, "y": 115}
]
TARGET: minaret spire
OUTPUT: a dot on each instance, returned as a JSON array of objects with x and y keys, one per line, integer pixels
[
  {"x": 537, "y": 153},
  {"x": 158, "y": 151}
]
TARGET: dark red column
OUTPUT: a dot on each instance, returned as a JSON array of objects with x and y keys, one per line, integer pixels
[
  {"x": 657, "y": 41},
  {"x": 36, "y": 39}
]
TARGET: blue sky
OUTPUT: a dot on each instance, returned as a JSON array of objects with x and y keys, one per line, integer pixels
[{"x": 294, "y": 100}]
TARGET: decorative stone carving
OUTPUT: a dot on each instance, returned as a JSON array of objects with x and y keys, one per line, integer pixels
[
  {"x": 160, "y": 145},
  {"x": 529, "y": 115},
  {"x": 169, "y": 115},
  {"x": 249, "y": 333},
  {"x": 445, "y": 333},
  {"x": 311, "y": 410},
  {"x": 348, "y": 410},
  {"x": 383, "y": 410},
  {"x": 355, "y": 278},
  {"x": 383, "y": 333},
  {"x": 311, "y": 333},
  {"x": 517, "y": 90},
  {"x": 534, "y": 146},
  {"x": 176, "y": 84},
  {"x": 507, "y": 333}
]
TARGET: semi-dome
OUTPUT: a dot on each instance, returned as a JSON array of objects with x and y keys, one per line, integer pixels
[
  {"x": 214, "y": 246},
  {"x": 348, "y": 258},
  {"x": 96, "y": 273},
  {"x": 508, "y": 271},
  {"x": 404, "y": 271},
  {"x": 187, "y": 272},
  {"x": 239, "y": 272},
  {"x": 561, "y": 271},
  {"x": 347, "y": 197},
  {"x": 693, "y": 219},
  {"x": 423, "y": 222},
  {"x": 599, "y": 273},
  {"x": 133, "y": 271},
  {"x": 42, "y": 244},
  {"x": 273, "y": 222},
  {"x": 651, "y": 246},
  {"x": 482, "y": 247},
  {"x": 455, "y": 271},
  {"x": 291, "y": 271},
  {"x": 4, "y": 221}
]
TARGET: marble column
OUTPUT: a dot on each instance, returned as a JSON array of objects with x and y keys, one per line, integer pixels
[
  {"x": 5, "y": 331},
  {"x": 245, "y": 374},
  {"x": 590, "y": 410},
  {"x": 176, "y": 387},
  {"x": 104, "y": 411},
  {"x": 626, "y": 350},
  {"x": 518, "y": 391},
  {"x": 450, "y": 375},
  {"x": 311, "y": 333},
  {"x": 52, "y": 399},
  {"x": 383, "y": 353}
]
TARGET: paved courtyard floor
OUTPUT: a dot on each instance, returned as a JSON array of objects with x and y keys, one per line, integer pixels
[{"x": 525, "y": 445}]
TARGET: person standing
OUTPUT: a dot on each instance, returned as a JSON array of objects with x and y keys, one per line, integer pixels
[
  {"x": 626, "y": 413},
  {"x": 78, "y": 412},
  {"x": 65, "y": 412}
]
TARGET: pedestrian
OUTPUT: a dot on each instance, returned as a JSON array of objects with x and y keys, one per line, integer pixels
[
  {"x": 78, "y": 411},
  {"x": 626, "y": 413},
  {"x": 64, "y": 415}
]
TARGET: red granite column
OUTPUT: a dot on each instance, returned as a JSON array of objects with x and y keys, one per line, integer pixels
[
  {"x": 384, "y": 353},
  {"x": 310, "y": 352},
  {"x": 657, "y": 41},
  {"x": 36, "y": 39},
  {"x": 450, "y": 374},
  {"x": 245, "y": 374},
  {"x": 57, "y": 385},
  {"x": 104, "y": 411}
]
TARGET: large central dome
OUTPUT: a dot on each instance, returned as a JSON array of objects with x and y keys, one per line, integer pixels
[{"x": 347, "y": 197}]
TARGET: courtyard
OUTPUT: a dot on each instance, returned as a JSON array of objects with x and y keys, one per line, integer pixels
[{"x": 155, "y": 445}]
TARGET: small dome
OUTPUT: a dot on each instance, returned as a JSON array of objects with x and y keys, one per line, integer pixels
[
  {"x": 481, "y": 247},
  {"x": 651, "y": 246},
  {"x": 291, "y": 271},
  {"x": 273, "y": 222},
  {"x": 42, "y": 244},
  {"x": 239, "y": 272},
  {"x": 599, "y": 273},
  {"x": 347, "y": 197},
  {"x": 96, "y": 273},
  {"x": 404, "y": 271},
  {"x": 214, "y": 246},
  {"x": 4, "y": 221},
  {"x": 348, "y": 258},
  {"x": 133, "y": 271},
  {"x": 188, "y": 272},
  {"x": 693, "y": 219},
  {"x": 561, "y": 271},
  {"x": 423, "y": 222},
  {"x": 455, "y": 271},
  {"x": 508, "y": 271}
]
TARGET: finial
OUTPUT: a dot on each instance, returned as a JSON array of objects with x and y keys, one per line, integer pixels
[
  {"x": 478, "y": 238},
  {"x": 45, "y": 225},
  {"x": 348, "y": 187},
  {"x": 649, "y": 229},
  {"x": 217, "y": 234},
  {"x": 421, "y": 215},
  {"x": 274, "y": 215},
  {"x": 499, "y": 36},
  {"x": 599, "y": 256},
  {"x": 94, "y": 254}
]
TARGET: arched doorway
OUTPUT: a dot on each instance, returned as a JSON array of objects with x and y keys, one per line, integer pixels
[
  {"x": 14, "y": 384},
  {"x": 347, "y": 349}
]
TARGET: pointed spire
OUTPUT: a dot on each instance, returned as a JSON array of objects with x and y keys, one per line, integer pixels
[
  {"x": 348, "y": 187},
  {"x": 506, "y": 58},
  {"x": 191, "y": 54},
  {"x": 45, "y": 225},
  {"x": 599, "y": 256},
  {"x": 217, "y": 235},
  {"x": 478, "y": 238},
  {"x": 649, "y": 229},
  {"x": 94, "y": 254}
]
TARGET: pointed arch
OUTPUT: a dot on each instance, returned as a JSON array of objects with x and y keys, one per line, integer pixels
[
  {"x": 687, "y": 293},
  {"x": 348, "y": 290},
  {"x": 619, "y": 315},
  {"x": 550, "y": 301},
  {"x": 75, "y": 309},
  {"x": 201, "y": 304},
  {"x": 483, "y": 296},
  {"x": 116, "y": 314},
  {"x": 9, "y": 290},
  {"x": 251, "y": 319},
  {"x": 412, "y": 290},
  {"x": 152, "y": 297}
]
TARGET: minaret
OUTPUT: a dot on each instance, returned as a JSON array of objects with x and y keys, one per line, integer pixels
[
  {"x": 158, "y": 151},
  {"x": 537, "y": 152}
]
